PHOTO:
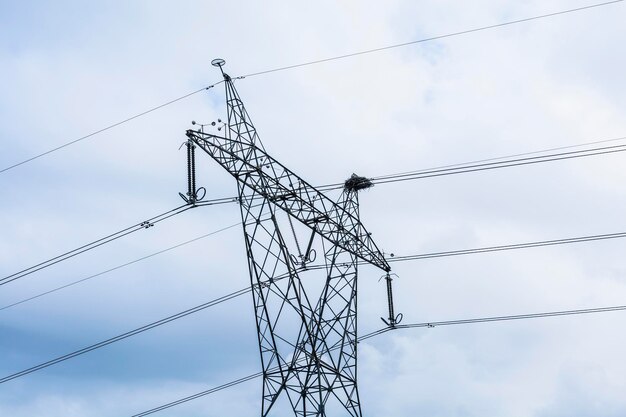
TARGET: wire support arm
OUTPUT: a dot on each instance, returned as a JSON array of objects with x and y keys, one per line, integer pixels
[{"x": 255, "y": 169}]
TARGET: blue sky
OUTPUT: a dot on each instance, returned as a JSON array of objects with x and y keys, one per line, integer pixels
[{"x": 69, "y": 68}]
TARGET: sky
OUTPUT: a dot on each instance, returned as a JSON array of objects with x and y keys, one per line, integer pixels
[{"x": 70, "y": 68}]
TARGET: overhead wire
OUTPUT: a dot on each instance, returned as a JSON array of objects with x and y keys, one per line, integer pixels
[
  {"x": 405, "y": 176},
  {"x": 501, "y": 164},
  {"x": 513, "y": 317},
  {"x": 432, "y": 38},
  {"x": 544, "y": 158},
  {"x": 239, "y": 381},
  {"x": 115, "y": 268},
  {"x": 125, "y": 335},
  {"x": 558, "y": 148},
  {"x": 302, "y": 269},
  {"x": 525, "y": 245},
  {"x": 432, "y": 324},
  {"x": 104, "y": 129},
  {"x": 378, "y": 180},
  {"x": 136, "y": 331},
  {"x": 485, "y": 164},
  {"x": 383, "y": 330},
  {"x": 390, "y": 259},
  {"x": 96, "y": 243},
  {"x": 200, "y": 394},
  {"x": 308, "y": 63},
  {"x": 146, "y": 224}
]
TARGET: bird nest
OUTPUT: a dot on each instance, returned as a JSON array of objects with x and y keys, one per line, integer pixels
[{"x": 357, "y": 183}]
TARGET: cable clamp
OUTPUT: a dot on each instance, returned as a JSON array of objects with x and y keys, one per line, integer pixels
[{"x": 146, "y": 224}]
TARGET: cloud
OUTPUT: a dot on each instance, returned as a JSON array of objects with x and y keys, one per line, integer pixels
[{"x": 548, "y": 83}]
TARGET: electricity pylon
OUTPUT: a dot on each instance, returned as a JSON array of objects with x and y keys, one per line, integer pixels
[{"x": 307, "y": 346}]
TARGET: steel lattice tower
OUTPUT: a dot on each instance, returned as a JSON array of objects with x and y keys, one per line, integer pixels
[{"x": 308, "y": 346}]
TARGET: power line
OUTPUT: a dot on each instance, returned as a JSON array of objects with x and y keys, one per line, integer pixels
[
  {"x": 368, "y": 51},
  {"x": 111, "y": 126},
  {"x": 107, "y": 239},
  {"x": 116, "y": 267},
  {"x": 512, "y": 317},
  {"x": 432, "y": 324},
  {"x": 309, "y": 267},
  {"x": 433, "y": 38},
  {"x": 511, "y": 156},
  {"x": 502, "y": 164},
  {"x": 141, "y": 329},
  {"x": 200, "y": 394},
  {"x": 96, "y": 243},
  {"x": 387, "y": 329},
  {"x": 135, "y": 331},
  {"x": 224, "y": 200},
  {"x": 525, "y": 245},
  {"x": 404, "y": 258},
  {"x": 481, "y": 165},
  {"x": 235, "y": 382},
  {"x": 125, "y": 335},
  {"x": 404, "y": 176}
]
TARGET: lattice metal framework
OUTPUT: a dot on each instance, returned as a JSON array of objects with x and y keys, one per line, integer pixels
[{"x": 308, "y": 347}]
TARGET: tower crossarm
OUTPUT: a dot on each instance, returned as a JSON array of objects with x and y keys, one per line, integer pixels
[{"x": 254, "y": 168}]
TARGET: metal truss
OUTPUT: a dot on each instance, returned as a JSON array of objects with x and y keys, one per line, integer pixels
[{"x": 307, "y": 346}]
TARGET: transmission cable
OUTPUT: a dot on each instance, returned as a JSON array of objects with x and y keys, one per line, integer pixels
[
  {"x": 512, "y": 317},
  {"x": 241, "y": 380},
  {"x": 579, "y": 145},
  {"x": 311, "y": 267},
  {"x": 96, "y": 243},
  {"x": 139, "y": 330},
  {"x": 136, "y": 331},
  {"x": 115, "y": 268},
  {"x": 482, "y": 165},
  {"x": 502, "y": 164},
  {"x": 525, "y": 245},
  {"x": 405, "y": 258},
  {"x": 395, "y": 258},
  {"x": 431, "y": 324},
  {"x": 201, "y": 394},
  {"x": 301, "y": 269},
  {"x": 125, "y": 335},
  {"x": 111, "y": 126},
  {"x": 433, "y": 38},
  {"x": 369, "y": 51},
  {"x": 146, "y": 224},
  {"x": 466, "y": 168}
]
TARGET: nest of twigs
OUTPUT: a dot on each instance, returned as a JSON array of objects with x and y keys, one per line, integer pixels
[{"x": 357, "y": 183}]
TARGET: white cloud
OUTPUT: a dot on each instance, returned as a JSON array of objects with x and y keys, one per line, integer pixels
[{"x": 542, "y": 84}]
